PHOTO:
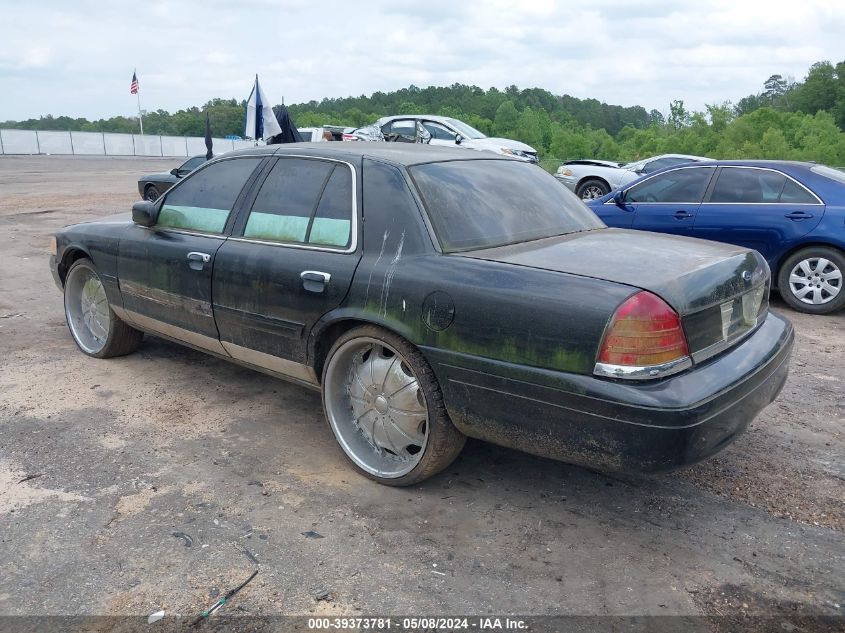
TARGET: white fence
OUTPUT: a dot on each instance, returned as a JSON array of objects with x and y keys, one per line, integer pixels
[{"x": 107, "y": 144}]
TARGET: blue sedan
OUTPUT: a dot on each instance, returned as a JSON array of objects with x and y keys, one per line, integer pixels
[{"x": 792, "y": 213}]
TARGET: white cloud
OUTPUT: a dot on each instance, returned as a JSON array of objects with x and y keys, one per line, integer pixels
[{"x": 77, "y": 58}]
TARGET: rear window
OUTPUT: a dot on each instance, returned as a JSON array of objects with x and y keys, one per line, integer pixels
[
  {"x": 476, "y": 204},
  {"x": 829, "y": 172}
]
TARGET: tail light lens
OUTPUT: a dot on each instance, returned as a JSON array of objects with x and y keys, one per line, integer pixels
[{"x": 645, "y": 339}]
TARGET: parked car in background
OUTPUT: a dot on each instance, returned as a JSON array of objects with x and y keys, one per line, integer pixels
[
  {"x": 591, "y": 179},
  {"x": 442, "y": 130},
  {"x": 479, "y": 298},
  {"x": 317, "y": 134},
  {"x": 792, "y": 213},
  {"x": 152, "y": 186}
]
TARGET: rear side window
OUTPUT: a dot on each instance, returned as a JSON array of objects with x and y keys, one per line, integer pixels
[
  {"x": 678, "y": 185},
  {"x": 303, "y": 202},
  {"x": 205, "y": 199},
  {"x": 758, "y": 186},
  {"x": 482, "y": 203},
  {"x": 793, "y": 193}
]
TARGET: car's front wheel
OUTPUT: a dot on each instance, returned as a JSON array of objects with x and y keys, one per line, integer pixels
[
  {"x": 592, "y": 189},
  {"x": 386, "y": 409},
  {"x": 811, "y": 280},
  {"x": 151, "y": 193},
  {"x": 97, "y": 330}
]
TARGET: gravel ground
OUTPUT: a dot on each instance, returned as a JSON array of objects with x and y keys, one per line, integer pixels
[{"x": 122, "y": 454}]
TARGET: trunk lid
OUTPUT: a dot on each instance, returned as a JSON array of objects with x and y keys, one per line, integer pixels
[{"x": 720, "y": 291}]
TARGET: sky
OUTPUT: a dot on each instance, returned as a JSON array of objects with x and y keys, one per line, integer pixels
[{"x": 76, "y": 57}]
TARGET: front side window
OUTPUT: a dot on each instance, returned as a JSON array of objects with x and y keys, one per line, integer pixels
[
  {"x": 303, "y": 202},
  {"x": 439, "y": 132},
  {"x": 191, "y": 164},
  {"x": 483, "y": 203},
  {"x": 204, "y": 200},
  {"x": 678, "y": 185}
]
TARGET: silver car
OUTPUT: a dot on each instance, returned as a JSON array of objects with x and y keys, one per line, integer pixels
[
  {"x": 442, "y": 130},
  {"x": 591, "y": 179}
]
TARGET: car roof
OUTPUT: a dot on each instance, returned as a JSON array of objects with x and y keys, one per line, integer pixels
[{"x": 399, "y": 153}]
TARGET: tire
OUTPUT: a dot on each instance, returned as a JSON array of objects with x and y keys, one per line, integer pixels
[
  {"x": 410, "y": 436},
  {"x": 811, "y": 280},
  {"x": 591, "y": 189},
  {"x": 151, "y": 193},
  {"x": 94, "y": 326}
]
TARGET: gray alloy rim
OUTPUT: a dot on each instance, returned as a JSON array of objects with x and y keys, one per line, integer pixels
[
  {"x": 815, "y": 281},
  {"x": 591, "y": 193},
  {"x": 151, "y": 194},
  {"x": 376, "y": 408},
  {"x": 87, "y": 309}
]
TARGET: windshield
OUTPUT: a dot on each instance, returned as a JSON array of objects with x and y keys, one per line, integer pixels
[
  {"x": 829, "y": 172},
  {"x": 483, "y": 203},
  {"x": 467, "y": 131}
]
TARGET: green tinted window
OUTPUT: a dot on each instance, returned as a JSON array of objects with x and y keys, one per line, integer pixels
[
  {"x": 304, "y": 201},
  {"x": 204, "y": 200}
]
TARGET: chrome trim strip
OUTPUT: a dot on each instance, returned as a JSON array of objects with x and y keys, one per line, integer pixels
[
  {"x": 170, "y": 300},
  {"x": 175, "y": 332},
  {"x": 271, "y": 363},
  {"x": 647, "y": 372},
  {"x": 166, "y": 229}
]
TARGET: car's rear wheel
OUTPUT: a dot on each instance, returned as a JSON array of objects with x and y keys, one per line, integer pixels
[
  {"x": 94, "y": 326},
  {"x": 151, "y": 193},
  {"x": 811, "y": 280},
  {"x": 592, "y": 189},
  {"x": 386, "y": 409}
]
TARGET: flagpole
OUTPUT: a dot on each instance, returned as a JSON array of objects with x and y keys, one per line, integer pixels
[{"x": 138, "y": 94}]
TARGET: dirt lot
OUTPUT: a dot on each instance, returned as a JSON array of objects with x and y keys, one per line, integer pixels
[{"x": 124, "y": 453}]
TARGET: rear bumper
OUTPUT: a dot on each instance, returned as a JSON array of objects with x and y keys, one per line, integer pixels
[{"x": 616, "y": 425}]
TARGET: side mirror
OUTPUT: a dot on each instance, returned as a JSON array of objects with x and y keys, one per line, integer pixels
[
  {"x": 144, "y": 213},
  {"x": 174, "y": 172},
  {"x": 458, "y": 139},
  {"x": 619, "y": 198}
]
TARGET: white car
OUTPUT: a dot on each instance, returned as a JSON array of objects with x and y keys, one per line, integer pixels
[
  {"x": 591, "y": 179},
  {"x": 442, "y": 130}
]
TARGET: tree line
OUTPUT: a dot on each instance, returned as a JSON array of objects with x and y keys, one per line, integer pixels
[{"x": 786, "y": 119}]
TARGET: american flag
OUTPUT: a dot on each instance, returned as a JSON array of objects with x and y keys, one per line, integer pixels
[{"x": 133, "y": 87}]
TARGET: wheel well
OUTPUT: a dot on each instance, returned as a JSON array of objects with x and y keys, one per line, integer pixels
[
  {"x": 69, "y": 256},
  {"x": 148, "y": 185},
  {"x": 326, "y": 338},
  {"x": 795, "y": 249},
  {"x": 598, "y": 178}
]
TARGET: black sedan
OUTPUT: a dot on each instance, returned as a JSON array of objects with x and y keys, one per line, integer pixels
[
  {"x": 152, "y": 186},
  {"x": 433, "y": 294}
]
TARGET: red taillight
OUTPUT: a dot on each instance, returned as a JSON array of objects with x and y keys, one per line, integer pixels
[{"x": 644, "y": 331}]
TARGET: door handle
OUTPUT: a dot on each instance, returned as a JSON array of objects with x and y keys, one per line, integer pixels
[
  {"x": 314, "y": 280},
  {"x": 682, "y": 215},
  {"x": 798, "y": 215},
  {"x": 197, "y": 260}
]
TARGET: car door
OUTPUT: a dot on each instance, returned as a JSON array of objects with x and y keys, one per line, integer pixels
[
  {"x": 759, "y": 208},
  {"x": 667, "y": 202},
  {"x": 164, "y": 271},
  {"x": 290, "y": 260},
  {"x": 401, "y": 131}
]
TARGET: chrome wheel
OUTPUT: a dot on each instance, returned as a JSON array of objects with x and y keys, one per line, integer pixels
[
  {"x": 87, "y": 309},
  {"x": 815, "y": 281},
  {"x": 376, "y": 407},
  {"x": 591, "y": 192}
]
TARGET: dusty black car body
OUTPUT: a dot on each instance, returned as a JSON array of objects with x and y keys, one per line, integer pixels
[
  {"x": 512, "y": 333},
  {"x": 152, "y": 186}
]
